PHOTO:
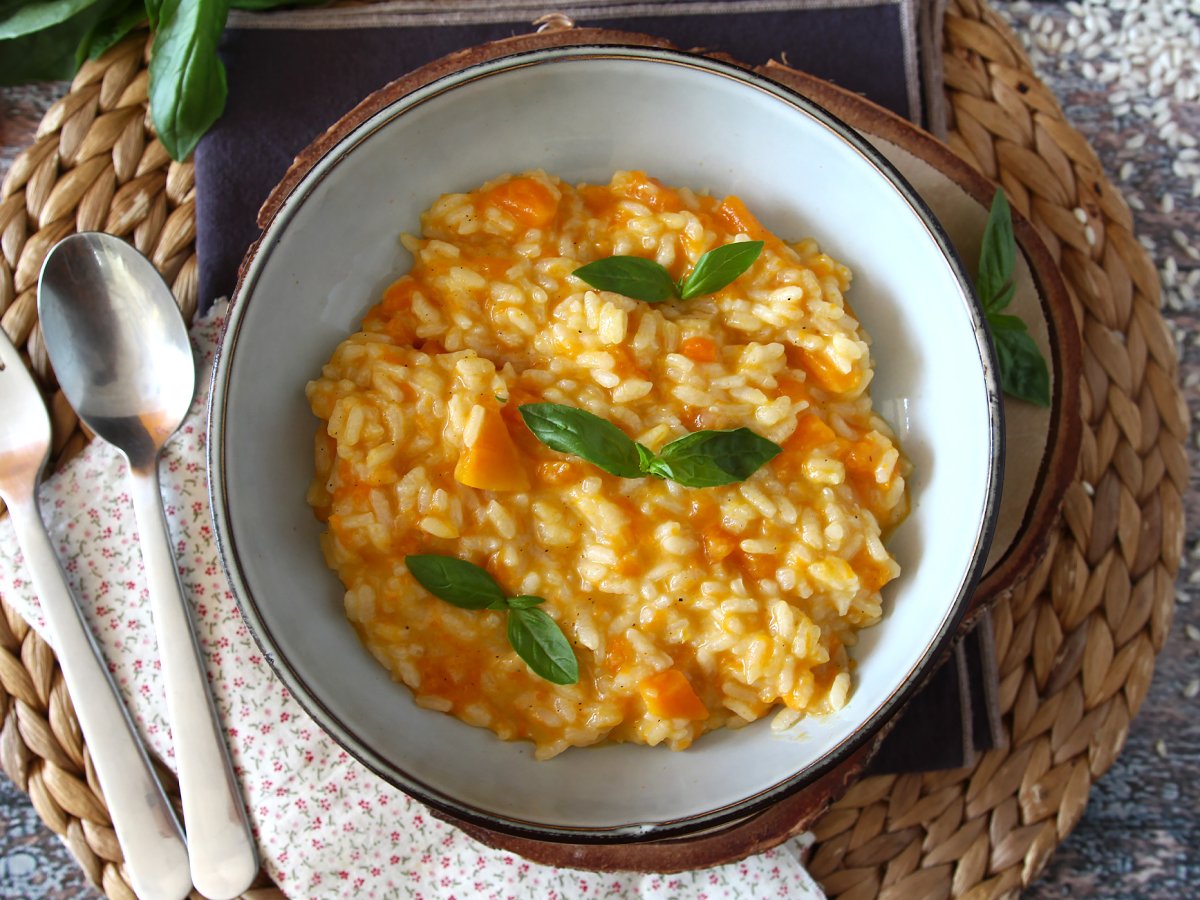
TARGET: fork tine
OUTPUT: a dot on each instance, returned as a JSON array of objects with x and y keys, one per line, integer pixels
[{"x": 25, "y": 420}]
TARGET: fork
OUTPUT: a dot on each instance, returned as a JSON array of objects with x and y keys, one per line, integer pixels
[{"x": 156, "y": 858}]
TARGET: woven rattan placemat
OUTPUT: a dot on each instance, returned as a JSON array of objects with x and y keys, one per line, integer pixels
[{"x": 1076, "y": 640}]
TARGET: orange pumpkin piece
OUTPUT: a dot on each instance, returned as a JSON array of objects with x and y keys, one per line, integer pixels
[
  {"x": 619, "y": 655},
  {"x": 699, "y": 348},
  {"x": 862, "y": 459},
  {"x": 718, "y": 544},
  {"x": 822, "y": 370},
  {"x": 654, "y": 193},
  {"x": 624, "y": 363},
  {"x": 872, "y": 575},
  {"x": 387, "y": 316},
  {"x": 670, "y": 695},
  {"x": 526, "y": 199},
  {"x": 733, "y": 214},
  {"x": 492, "y": 462},
  {"x": 794, "y": 389},
  {"x": 811, "y": 432},
  {"x": 398, "y": 296}
]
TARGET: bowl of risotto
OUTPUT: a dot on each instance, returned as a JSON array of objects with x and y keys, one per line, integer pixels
[{"x": 604, "y": 442}]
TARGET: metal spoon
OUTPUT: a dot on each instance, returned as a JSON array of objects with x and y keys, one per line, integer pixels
[{"x": 120, "y": 350}]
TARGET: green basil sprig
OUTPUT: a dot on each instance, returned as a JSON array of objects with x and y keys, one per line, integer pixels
[
  {"x": 535, "y": 636},
  {"x": 49, "y": 39},
  {"x": 187, "y": 80},
  {"x": 699, "y": 459},
  {"x": 646, "y": 280},
  {"x": 1023, "y": 372}
]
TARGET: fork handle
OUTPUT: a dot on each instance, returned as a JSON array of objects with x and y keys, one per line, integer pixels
[
  {"x": 156, "y": 857},
  {"x": 224, "y": 857}
]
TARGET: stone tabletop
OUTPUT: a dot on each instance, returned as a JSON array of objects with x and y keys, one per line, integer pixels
[{"x": 1127, "y": 73}]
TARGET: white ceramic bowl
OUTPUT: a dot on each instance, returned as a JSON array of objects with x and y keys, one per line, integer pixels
[{"x": 583, "y": 112}]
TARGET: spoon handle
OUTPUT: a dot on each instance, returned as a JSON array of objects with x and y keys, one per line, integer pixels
[
  {"x": 156, "y": 857},
  {"x": 224, "y": 858}
]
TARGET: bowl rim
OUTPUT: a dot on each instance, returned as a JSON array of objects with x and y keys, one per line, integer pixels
[{"x": 331, "y": 149}]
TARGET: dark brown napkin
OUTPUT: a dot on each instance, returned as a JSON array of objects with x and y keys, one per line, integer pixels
[{"x": 291, "y": 75}]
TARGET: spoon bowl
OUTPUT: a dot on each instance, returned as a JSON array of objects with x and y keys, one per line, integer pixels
[
  {"x": 127, "y": 366},
  {"x": 120, "y": 349}
]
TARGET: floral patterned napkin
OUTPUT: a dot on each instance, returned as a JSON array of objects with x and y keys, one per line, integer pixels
[{"x": 326, "y": 826}]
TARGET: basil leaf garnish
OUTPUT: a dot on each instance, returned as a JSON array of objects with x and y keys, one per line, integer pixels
[
  {"x": 645, "y": 457},
  {"x": 187, "y": 78},
  {"x": 524, "y": 601},
  {"x": 535, "y": 636},
  {"x": 456, "y": 581},
  {"x": 569, "y": 429},
  {"x": 117, "y": 22},
  {"x": 1023, "y": 371},
  {"x": 632, "y": 276},
  {"x": 646, "y": 280},
  {"x": 700, "y": 459},
  {"x": 46, "y": 48},
  {"x": 29, "y": 18},
  {"x": 719, "y": 267},
  {"x": 997, "y": 255},
  {"x": 711, "y": 458},
  {"x": 540, "y": 642}
]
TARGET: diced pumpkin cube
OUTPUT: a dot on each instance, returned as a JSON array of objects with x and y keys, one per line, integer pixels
[
  {"x": 823, "y": 371},
  {"x": 653, "y": 193},
  {"x": 737, "y": 219},
  {"x": 863, "y": 459},
  {"x": 526, "y": 199},
  {"x": 718, "y": 544},
  {"x": 618, "y": 655},
  {"x": 811, "y": 432},
  {"x": 699, "y": 348},
  {"x": 670, "y": 695},
  {"x": 492, "y": 462}
]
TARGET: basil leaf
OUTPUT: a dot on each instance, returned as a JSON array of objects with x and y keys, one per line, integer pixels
[
  {"x": 718, "y": 267},
  {"x": 187, "y": 78},
  {"x": 525, "y": 601},
  {"x": 632, "y": 276},
  {"x": 576, "y": 431},
  {"x": 1003, "y": 322},
  {"x": 1023, "y": 372},
  {"x": 711, "y": 458},
  {"x": 455, "y": 580},
  {"x": 117, "y": 23},
  {"x": 645, "y": 457},
  {"x": 48, "y": 54},
  {"x": 997, "y": 256},
  {"x": 29, "y": 18},
  {"x": 540, "y": 642},
  {"x": 1001, "y": 300}
]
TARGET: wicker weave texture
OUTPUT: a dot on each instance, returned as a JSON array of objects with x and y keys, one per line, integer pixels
[{"x": 1076, "y": 640}]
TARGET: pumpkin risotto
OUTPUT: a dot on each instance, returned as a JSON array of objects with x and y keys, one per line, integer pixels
[{"x": 688, "y": 609}]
